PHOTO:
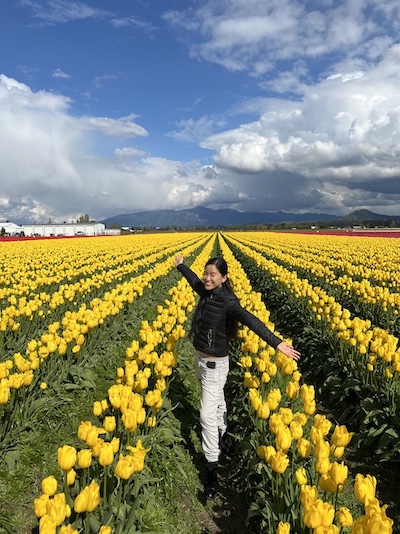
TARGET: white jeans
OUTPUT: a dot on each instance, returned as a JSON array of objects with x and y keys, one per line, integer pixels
[{"x": 212, "y": 376}]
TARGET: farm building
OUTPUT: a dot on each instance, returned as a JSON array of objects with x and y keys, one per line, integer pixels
[
  {"x": 66, "y": 229},
  {"x": 10, "y": 228}
]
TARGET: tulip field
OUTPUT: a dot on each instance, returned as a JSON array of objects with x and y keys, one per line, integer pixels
[{"x": 96, "y": 367}]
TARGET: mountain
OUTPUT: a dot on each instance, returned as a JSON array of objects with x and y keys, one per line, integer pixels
[
  {"x": 366, "y": 216},
  {"x": 197, "y": 217},
  {"x": 205, "y": 217}
]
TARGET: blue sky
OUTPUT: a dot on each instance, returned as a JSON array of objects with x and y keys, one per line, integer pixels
[{"x": 132, "y": 105}]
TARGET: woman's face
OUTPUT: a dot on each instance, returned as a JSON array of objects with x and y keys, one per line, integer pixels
[{"x": 212, "y": 278}]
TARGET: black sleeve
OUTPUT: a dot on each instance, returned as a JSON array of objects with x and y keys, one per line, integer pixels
[
  {"x": 248, "y": 319},
  {"x": 192, "y": 278}
]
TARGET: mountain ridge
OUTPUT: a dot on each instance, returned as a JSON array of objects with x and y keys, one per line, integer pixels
[{"x": 200, "y": 217}]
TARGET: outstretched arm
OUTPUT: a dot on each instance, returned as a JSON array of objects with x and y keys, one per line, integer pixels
[
  {"x": 178, "y": 260},
  {"x": 249, "y": 319},
  {"x": 289, "y": 351},
  {"x": 190, "y": 276}
]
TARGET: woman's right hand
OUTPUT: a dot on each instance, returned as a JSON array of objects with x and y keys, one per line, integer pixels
[{"x": 178, "y": 260}]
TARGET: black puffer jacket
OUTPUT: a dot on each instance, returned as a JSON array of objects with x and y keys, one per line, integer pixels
[{"x": 212, "y": 311}]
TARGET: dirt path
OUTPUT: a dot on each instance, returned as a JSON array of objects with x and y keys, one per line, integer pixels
[{"x": 227, "y": 513}]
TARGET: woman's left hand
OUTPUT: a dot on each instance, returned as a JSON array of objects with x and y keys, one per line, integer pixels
[{"x": 289, "y": 351}]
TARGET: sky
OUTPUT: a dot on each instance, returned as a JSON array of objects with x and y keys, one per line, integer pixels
[{"x": 111, "y": 107}]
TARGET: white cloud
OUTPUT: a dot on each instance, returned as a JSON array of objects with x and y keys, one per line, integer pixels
[
  {"x": 58, "y": 73},
  {"x": 129, "y": 152},
  {"x": 122, "y": 127},
  {"x": 346, "y": 127},
  {"x": 321, "y": 133},
  {"x": 255, "y": 36},
  {"x": 62, "y": 11},
  {"x": 196, "y": 130}
]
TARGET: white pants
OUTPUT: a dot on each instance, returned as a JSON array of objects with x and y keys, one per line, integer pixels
[{"x": 212, "y": 376}]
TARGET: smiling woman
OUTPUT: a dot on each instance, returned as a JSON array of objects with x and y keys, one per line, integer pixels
[{"x": 214, "y": 326}]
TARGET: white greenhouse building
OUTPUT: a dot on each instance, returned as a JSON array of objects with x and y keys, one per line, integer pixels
[{"x": 65, "y": 229}]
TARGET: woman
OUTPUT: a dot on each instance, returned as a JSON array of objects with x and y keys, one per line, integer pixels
[{"x": 214, "y": 325}]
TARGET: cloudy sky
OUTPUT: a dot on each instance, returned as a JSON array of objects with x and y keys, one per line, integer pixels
[{"x": 110, "y": 107}]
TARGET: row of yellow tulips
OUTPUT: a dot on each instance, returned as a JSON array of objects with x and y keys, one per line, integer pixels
[
  {"x": 372, "y": 259},
  {"x": 108, "y": 463},
  {"x": 378, "y": 348},
  {"x": 66, "y": 336},
  {"x": 50, "y": 285},
  {"x": 365, "y": 267},
  {"x": 295, "y": 439}
]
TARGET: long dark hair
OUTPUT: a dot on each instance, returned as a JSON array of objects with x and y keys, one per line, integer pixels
[{"x": 231, "y": 323}]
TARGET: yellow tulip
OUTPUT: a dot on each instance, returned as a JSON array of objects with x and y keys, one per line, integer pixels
[
  {"x": 97, "y": 409},
  {"x": 263, "y": 411},
  {"x": 332, "y": 529},
  {"x": 269, "y": 452},
  {"x": 337, "y": 452},
  {"x": 341, "y": 437},
  {"x": 71, "y": 475},
  {"x": 301, "y": 476},
  {"x": 124, "y": 468},
  {"x": 283, "y": 528},
  {"x": 94, "y": 496},
  {"x": 304, "y": 447},
  {"x": 301, "y": 418},
  {"x": 338, "y": 473},
  {"x": 57, "y": 508},
  {"x": 279, "y": 462},
  {"x": 296, "y": 430},
  {"x": 83, "y": 429},
  {"x": 129, "y": 419},
  {"x": 68, "y": 529},
  {"x": 327, "y": 484},
  {"x": 109, "y": 423},
  {"x": 105, "y": 530},
  {"x": 274, "y": 398},
  {"x": 47, "y": 525},
  {"x": 286, "y": 415},
  {"x": 275, "y": 423},
  {"x": 283, "y": 438},
  {"x": 84, "y": 458},
  {"x": 261, "y": 451},
  {"x": 49, "y": 486},
  {"x": 106, "y": 455},
  {"x": 152, "y": 421},
  {"x": 296, "y": 376},
  {"x": 66, "y": 457},
  {"x": 344, "y": 517},
  {"x": 40, "y": 505},
  {"x": 364, "y": 488},
  {"x": 81, "y": 501},
  {"x": 322, "y": 466},
  {"x": 292, "y": 390},
  {"x": 308, "y": 495},
  {"x": 115, "y": 444},
  {"x": 322, "y": 423},
  {"x": 92, "y": 436},
  {"x": 307, "y": 393},
  {"x": 319, "y": 514},
  {"x": 88, "y": 498},
  {"x": 322, "y": 449},
  {"x": 377, "y": 518},
  {"x": 141, "y": 415},
  {"x": 310, "y": 407},
  {"x": 255, "y": 400}
]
